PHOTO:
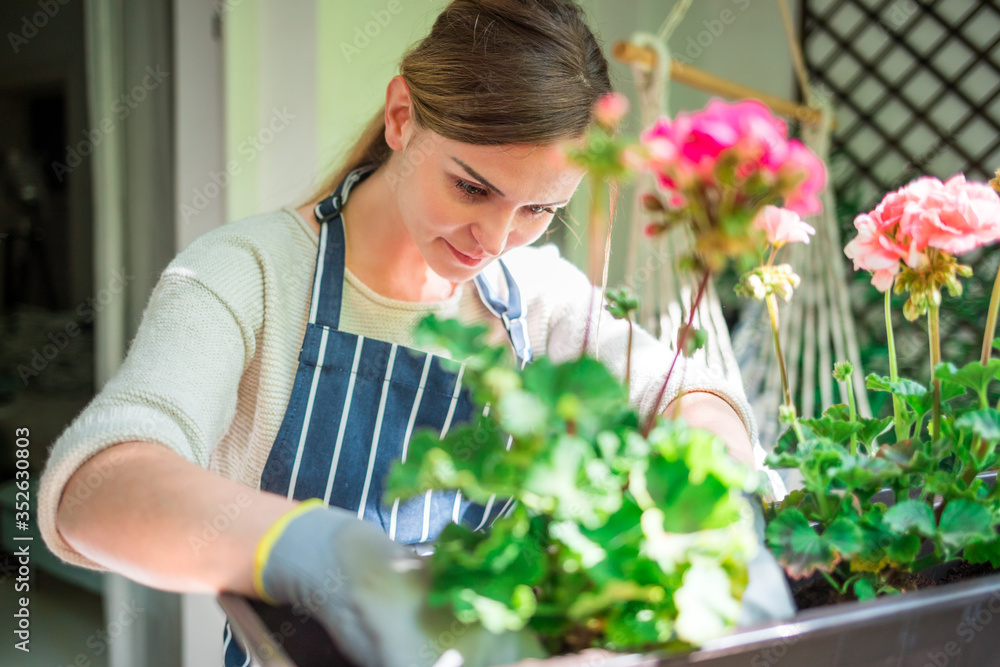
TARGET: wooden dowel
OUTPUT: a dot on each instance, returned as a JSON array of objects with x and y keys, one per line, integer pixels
[{"x": 629, "y": 53}]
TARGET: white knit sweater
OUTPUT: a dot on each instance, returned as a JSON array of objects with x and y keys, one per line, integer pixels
[{"x": 211, "y": 368}]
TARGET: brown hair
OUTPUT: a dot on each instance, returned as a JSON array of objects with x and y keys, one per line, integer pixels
[{"x": 496, "y": 72}]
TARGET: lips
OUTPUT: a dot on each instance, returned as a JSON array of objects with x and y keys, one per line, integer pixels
[{"x": 467, "y": 260}]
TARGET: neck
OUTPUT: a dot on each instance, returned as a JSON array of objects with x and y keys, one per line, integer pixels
[{"x": 380, "y": 250}]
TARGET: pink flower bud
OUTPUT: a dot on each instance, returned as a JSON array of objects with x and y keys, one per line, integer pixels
[{"x": 610, "y": 109}]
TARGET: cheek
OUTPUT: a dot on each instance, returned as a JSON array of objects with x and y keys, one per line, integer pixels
[
  {"x": 427, "y": 207},
  {"x": 527, "y": 234}
]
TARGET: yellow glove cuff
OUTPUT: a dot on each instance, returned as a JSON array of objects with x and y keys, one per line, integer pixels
[{"x": 263, "y": 549}]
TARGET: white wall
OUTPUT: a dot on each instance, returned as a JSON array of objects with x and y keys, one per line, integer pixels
[{"x": 200, "y": 115}]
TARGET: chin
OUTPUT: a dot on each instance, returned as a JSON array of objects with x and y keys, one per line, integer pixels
[{"x": 458, "y": 274}]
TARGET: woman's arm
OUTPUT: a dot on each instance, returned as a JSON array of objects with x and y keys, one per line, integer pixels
[
  {"x": 702, "y": 409},
  {"x": 164, "y": 521},
  {"x": 172, "y": 400}
]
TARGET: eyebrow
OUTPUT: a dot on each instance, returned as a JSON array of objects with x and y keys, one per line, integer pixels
[{"x": 478, "y": 177}]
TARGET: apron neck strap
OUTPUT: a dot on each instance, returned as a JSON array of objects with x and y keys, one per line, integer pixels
[
  {"x": 328, "y": 279},
  {"x": 512, "y": 312}
]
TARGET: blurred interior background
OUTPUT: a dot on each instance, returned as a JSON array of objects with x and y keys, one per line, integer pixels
[{"x": 128, "y": 129}]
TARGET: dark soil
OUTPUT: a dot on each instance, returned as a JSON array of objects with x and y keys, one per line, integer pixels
[{"x": 816, "y": 591}]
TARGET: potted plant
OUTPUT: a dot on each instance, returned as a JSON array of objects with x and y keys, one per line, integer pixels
[
  {"x": 629, "y": 535},
  {"x": 901, "y": 503}
]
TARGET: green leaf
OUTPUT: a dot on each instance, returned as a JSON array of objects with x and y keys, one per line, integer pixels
[
  {"x": 984, "y": 552},
  {"x": 582, "y": 391},
  {"x": 963, "y": 522},
  {"x": 872, "y": 428},
  {"x": 803, "y": 551},
  {"x": 523, "y": 414},
  {"x": 789, "y": 441},
  {"x": 864, "y": 590},
  {"x": 913, "y": 393},
  {"x": 910, "y": 516},
  {"x": 904, "y": 550},
  {"x": 688, "y": 507},
  {"x": 834, "y": 425},
  {"x": 908, "y": 388},
  {"x": 985, "y": 423},
  {"x": 461, "y": 340},
  {"x": 973, "y": 375},
  {"x": 843, "y": 536},
  {"x": 878, "y": 382},
  {"x": 705, "y": 603},
  {"x": 564, "y": 483},
  {"x": 864, "y": 472}
]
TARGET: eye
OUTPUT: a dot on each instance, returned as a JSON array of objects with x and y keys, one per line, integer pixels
[
  {"x": 541, "y": 210},
  {"x": 470, "y": 191}
]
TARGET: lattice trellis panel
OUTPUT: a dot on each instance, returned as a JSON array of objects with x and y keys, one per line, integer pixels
[{"x": 916, "y": 85}]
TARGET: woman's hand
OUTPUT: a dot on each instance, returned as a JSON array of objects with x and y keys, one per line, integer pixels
[
  {"x": 701, "y": 409},
  {"x": 370, "y": 593}
]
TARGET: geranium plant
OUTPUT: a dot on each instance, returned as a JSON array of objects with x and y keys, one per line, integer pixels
[
  {"x": 615, "y": 539},
  {"x": 941, "y": 437}
]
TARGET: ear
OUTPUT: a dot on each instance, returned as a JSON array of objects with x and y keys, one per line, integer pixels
[{"x": 398, "y": 113}]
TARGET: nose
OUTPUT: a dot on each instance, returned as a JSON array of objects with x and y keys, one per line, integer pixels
[{"x": 492, "y": 235}]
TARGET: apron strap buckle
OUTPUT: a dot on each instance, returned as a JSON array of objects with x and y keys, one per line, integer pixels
[{"x": 327, "y": 208}]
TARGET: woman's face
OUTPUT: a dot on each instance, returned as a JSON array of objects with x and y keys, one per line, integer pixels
[{"x": 465, "y": 205}]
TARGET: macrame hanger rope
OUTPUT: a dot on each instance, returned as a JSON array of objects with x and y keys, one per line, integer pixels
[
  {"x": 798, "y": 61},
  {"x": 673, "y": 20}
]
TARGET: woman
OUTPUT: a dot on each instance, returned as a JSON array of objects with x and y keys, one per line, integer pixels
[{"x": 211, "y": 423}]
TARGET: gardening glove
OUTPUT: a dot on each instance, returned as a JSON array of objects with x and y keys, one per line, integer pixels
[
  {"x": 767, "y": 596},
  {"x": 370, "y": 593}
]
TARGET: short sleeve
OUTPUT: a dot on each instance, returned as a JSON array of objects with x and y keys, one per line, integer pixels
[{"x": 178, "y": 384}]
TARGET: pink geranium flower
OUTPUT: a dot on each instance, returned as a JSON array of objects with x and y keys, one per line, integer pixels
[
  {"x": 738, "y": 145},
  {"x": 955, "y": 217},
  {"x": 804, "y": 168},
  {"x": 926, "y": 214},
  {"x": 874, "y": 250},
  {"x": 783, "y": 226}
]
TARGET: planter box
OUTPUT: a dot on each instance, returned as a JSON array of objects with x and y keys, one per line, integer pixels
[
  {"x": 953, "y": 625},
  {"x": 949, "y": 626}
]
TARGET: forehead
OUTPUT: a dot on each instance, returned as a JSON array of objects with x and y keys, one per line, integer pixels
[{"x": 529, "y": 172}]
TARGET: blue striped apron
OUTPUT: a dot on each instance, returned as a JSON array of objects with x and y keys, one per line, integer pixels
[{"x": 356, "y": 401}]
